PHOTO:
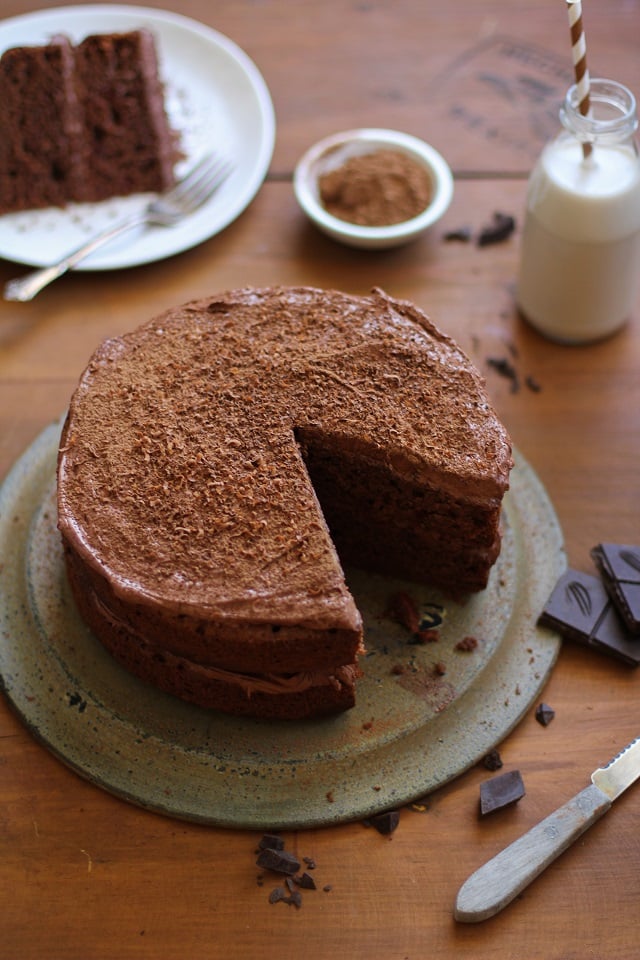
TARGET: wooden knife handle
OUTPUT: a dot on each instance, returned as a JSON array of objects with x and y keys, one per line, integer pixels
[{"x": 495, "y": 884}]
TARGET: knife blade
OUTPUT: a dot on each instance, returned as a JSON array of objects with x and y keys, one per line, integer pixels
[{"x": 495, "y": 884}]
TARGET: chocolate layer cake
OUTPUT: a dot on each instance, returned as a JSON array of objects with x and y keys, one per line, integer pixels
[
  {"x": 218, "y": 461},
  {"x": 82, "y": 123}
]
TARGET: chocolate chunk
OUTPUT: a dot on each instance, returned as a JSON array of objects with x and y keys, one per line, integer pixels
[
  {"x": 278, "y": 860},
  {"x": 579, "y": 608},
  {"x": 501, "y": 227},
  {"x": 505, "y": 368},
  {"x": 294, "y": 898},
  {"x": 271, "y": 841},
  {"x": 492, "y": 760},
  {"x": 544, "y": 714},
  {"x": 385, "y": 823},
  {"x": 306, "y": 881},
  {"x": 460, "y": 235},
  {"x": 501, "y": 791},
  {"x": 619, "y": 566},
  {"x": 277, "y": 894}
]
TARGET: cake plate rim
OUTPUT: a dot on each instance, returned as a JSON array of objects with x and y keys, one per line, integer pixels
[{"x": 177, "y": 760}]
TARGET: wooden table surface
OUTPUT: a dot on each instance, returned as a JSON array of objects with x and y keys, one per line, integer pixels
[{"x": 86, "y": 875}]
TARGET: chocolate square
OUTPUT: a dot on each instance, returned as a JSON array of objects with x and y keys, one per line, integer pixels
[
  {"x": 619, "y": 566},
  {"x": 581, "y": 610}
]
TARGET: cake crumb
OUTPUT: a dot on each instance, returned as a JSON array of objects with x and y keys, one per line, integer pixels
[
  {"x": 492, "y": 760},
  {"x": 402, "y": 608},
  {"x": 467, "y": 644}
]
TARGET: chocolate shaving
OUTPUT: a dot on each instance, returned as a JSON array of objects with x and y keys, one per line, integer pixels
[
  {"x": 506, "y": 369},
  {"x": 459, "y": 235},
  {"x": 501, "y": 228}
]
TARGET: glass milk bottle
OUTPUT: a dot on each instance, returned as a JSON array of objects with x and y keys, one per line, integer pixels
[{"x": 580, "y": 259}]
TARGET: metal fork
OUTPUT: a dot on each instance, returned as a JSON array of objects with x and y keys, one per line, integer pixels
[{"x": 164, "y": 210}]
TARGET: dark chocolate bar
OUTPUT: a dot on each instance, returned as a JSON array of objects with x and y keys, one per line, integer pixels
[
  {"x": 500, "y": 791},
  {"x": 619, "y": 566},
  {"x": 580, "y": 609}
]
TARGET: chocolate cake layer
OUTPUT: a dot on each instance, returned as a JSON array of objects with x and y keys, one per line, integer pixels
[{"x": 214, "y": 458}]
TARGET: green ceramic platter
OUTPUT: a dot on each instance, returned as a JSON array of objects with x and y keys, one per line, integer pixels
[{"x": 414, "y": 728}]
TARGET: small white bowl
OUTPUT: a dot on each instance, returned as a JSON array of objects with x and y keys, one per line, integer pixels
[{"x": 333, "y": 151}]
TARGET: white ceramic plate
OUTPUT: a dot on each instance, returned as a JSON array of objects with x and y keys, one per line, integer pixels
[{"x": 216, "y": 98}]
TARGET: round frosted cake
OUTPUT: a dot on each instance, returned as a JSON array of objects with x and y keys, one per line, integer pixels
[{"x": 221, "y": 463}]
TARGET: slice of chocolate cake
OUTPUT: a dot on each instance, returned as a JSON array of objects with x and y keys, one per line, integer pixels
[{"x": 82, "y": 123}]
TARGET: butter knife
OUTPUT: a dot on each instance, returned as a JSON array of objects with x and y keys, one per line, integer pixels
[{"x": 497, "y": 882}]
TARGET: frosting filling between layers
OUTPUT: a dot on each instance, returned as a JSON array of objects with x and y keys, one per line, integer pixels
[{"x": 249, "y": 683}]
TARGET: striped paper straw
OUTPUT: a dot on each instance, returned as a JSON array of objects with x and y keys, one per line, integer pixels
[{"x": 579, "y": 52}]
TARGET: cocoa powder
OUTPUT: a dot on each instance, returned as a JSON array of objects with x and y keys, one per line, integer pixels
[{"x": 376, "y": 189}]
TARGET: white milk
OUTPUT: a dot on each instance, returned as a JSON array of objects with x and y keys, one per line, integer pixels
[{"x": 580, "y": 260}]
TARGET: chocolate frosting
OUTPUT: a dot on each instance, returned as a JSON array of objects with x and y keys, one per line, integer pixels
[{"x": 181, "y": 480}]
